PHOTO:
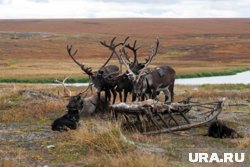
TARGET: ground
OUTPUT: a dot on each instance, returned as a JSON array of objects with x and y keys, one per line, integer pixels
[{"x": 27, "y": 140}]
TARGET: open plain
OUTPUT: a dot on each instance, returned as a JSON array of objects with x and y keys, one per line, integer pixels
[{"x": 36, "y": 49}]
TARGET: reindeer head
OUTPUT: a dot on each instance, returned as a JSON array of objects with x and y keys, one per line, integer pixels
[
  {"x": 98, "y": 77},
  {"x": 98, "y": 81},
  {"x": 76, "y": 102},
  {"x": 140, "y": 79},
  {"x": 140, "y": 86}
]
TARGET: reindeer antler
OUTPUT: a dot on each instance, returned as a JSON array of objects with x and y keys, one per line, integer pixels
[
  {"x": 134, "y": 50},
  {"x": 150, "y": 58},
  {"x": 87, "y": 70},
  {"x": 131, "y": 73},
  {"x": 148, "y": 61},
  {"x": 112, "y": 46},
  {"x": 153, "y": 54},
  {"x": 67, "y": 92}
]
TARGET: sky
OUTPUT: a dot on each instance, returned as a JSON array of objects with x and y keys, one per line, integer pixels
[{"x": 25, "y": 9}]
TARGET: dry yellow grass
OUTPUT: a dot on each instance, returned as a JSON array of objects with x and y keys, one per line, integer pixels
[
  {"x": 107, "y": 146},
  {"x": 232, "y": 94},
  {"x": 132, "y": 159},
  {"x": 32, "y": 111},
  {"x": 17, "y": 107},
  {"x": 7, "y": 163},
  {"x": 3, "y": 102},
  {"x": 100, "y": 136},
  {"x": 243, "y": 143}
]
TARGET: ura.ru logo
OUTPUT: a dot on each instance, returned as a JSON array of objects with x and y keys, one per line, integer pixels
[{"x": 214, "y": 157}]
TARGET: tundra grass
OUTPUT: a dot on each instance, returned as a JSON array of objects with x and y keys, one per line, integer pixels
[
  {"x": 99, "y": 142},
  {"x": 211, "y": 74},
  {"x": 226, "y": 86},
  {"x": 42, "y": 80}
]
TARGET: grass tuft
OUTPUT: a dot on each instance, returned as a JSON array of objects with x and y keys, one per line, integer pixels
[
  {"x": 104, "y": 140},
  {"x": 243, "y": 143},
  {"x": 107, "y": 147}
]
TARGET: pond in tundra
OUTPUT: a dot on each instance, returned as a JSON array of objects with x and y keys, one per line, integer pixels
[{"x": 240, "y": 78}]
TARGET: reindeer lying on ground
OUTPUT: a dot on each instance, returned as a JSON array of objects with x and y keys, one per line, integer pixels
[
  {"x": 70, "y": 120},
  {"x": 219, "y": 130},
  {"x": 77, "y": 107},
  {"x": 90, "y": 106}
]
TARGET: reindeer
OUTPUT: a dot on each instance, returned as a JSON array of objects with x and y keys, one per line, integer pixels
[
  {"x": 85, "y": 105},
  {"x": 218, "y": 130},
  {"x": 102, "y": 78},
  {"x": 150, "y": 81},
  {"x": 124, "y": 83}
]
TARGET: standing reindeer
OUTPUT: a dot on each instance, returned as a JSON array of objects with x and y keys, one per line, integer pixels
[
  {"x": 102, "y": 78},
  {"x": 150, "y": 81},
  {"x": 124, "y": 83}
]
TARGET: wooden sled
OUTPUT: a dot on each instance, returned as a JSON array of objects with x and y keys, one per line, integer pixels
[{"x": 154, "y": 117}]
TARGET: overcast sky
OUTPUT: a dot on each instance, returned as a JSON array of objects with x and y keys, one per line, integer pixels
[{"x": 16, "y": 9}]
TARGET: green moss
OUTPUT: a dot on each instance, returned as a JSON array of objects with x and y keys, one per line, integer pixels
[
  {"x": 210, "y": 74},
  {"x": 41, "y": 80}
]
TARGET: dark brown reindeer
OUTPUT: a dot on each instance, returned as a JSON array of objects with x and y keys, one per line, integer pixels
[
  {"x": 150, "y": 81},
  {"x": 102, "y": 78},
  {"x": 125, "y": 85}
]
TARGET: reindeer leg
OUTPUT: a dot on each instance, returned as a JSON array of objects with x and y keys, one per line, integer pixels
[
  {"x": 133, "y": 97},
  {"x": 125, "y": 95},
  {"x": 154, "y": 94},
  {"x": 142, "y": 97},
  {"x": 120, "y": 96},
  {"x": 167, "y": 96},
  {"x": 171, "y": 90},
  {"x": 99, "y": 96},
  {"x": 107, "y": 96},
  {"x": 114, "y": 95}
]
